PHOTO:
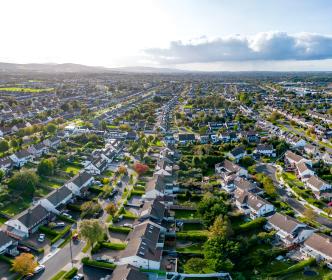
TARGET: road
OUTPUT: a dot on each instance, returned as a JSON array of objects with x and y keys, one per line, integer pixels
[
  {"x": 60, "y": 260},
  {"x": 298, "y": 207}
]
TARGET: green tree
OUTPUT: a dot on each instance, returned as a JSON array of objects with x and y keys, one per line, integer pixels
[
  {"x": 51, "y": 128},
  {"x": 221, "y": 227},
  {"x": 195, "y": 265},
  {"x": 4, "y": 146},
  {"x": 46, "y": 167},
  {"x": 24, "y": 181},
  {"x": 14, "y": 144},
  {"x": 91, "y": 230},
  {"x": 90, "y": 208},
  {"x": 2, "y": 174}
]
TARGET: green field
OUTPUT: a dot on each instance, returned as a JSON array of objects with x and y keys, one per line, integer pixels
[{"x": 28, "y": 90}]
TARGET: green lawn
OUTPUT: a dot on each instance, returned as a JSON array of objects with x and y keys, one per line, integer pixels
[
  {"x": 191, "y": 249},
  {"x": 15, "y": 208},
  {"x": 186, "y": 214},
  {"x": 72, "y": 169},
  {"x": 49, "y": 183}
]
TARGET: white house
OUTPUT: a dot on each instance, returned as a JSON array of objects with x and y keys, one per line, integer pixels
[
  {"x": 317, "y": 185},
  {"x": 8, "y": 245},
  {"x": 288, "y": 230},
  {"x": 293, "y": 159},
  {"x": 27, "y": 222},
  {"x": 38, "y": 150},
  {"x": 52, "y": 142},
  {"x": 319, "y": 246},
  {"x": 80, "y": 183},
  {"x": 303, "y": 171},
  {"x": 228, "y": 168},
  {"x": 56, "y": 199},
  {"x": 21, "y": 158},
  {"x": 144, "y": 246},
  {"x": 97, "y": 166},
  {"x": 266, "y": 150}
]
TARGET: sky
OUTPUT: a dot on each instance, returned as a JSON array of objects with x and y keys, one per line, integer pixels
[{"x": 207, "y": 35}]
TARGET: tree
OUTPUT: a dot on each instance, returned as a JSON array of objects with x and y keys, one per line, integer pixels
[
  {"x": 219, "y": 251},
  {"x": 221, "y": 227},
  {"x": 4, "y": 146},
  {"x": 24, "y": 264},
  {"x": 51, "y": 128},
  {"x": 14, "y": 143},
  {"x": 2, "y": 174},
  {"x": 91, "y": 230},
  {"x": 24, "y": 181},
  {"x": 140, "y": 168},
  {"x": 46, "y": 167},
  {"x": 90, "y": 208},
  {"x": 122, "y": 169},
  {"x": 111, "y": 209},
  {"x": 195, "y": 265}
]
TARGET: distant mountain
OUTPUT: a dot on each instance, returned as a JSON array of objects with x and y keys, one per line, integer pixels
[{"x": 78, "y": 68}]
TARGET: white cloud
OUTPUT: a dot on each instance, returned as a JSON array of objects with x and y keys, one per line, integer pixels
[{"x": 265, "y": 46}]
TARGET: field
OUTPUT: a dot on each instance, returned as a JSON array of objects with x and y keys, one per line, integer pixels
[{"x": 27, "y": 90}]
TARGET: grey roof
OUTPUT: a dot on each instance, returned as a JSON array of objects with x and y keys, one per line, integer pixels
[
  {"x": 33, "y": 215},
  {"x": 58, "y": 195},
  {"x": 237, "y": 151},
  {"x": 22, "y": 154},
  {"x": 81, "y": 178},
  {"x": 4, "y": 238},
  {"x": 284, "y": 222},
  {"x": 186, "y": 137},
  {"x": 321, "y": 243},
  {"x": 127, "y": 272}
]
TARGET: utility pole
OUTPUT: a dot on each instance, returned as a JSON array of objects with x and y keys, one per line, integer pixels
[{"x": 71, "y": 252}]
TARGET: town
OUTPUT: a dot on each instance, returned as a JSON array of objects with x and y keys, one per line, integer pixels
[{"x": 165, "y": 176}]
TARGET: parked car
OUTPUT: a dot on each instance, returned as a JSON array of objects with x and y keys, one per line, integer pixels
[
  {"x": 60, "y": 224},
  {"x": 41, "y": 237},
  {"x": 39, "y": 269},
  {"x": 128, "y": 225},
  {"x": 24, "y": 249},
  {"x": 67, "y": 215},
  {"x": 75, "y": 237},
  {"x": 78, "y": 277}
]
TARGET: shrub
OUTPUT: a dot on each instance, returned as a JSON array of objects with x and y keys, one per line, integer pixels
[
  {"x": 48, "y": 231},
  {"x": 254, "y": 224},
  {"x": 113, "y": 246},
  {"x": 71, "y": 273},
  {"x": 66, "y": 219},
  {"x": 192, "y": 236},
  {"x": 88, "y": 262},
  {"x": 119, "y": 229},
  {"x": 60, "y": 234},
  {"x": 294, "y": 268}
]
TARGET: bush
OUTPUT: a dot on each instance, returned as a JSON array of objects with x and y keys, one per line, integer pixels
[
  {"x": 74, "y": 207},
  {"x": 60, "y": 234},
  {"x": 66, "y": 219},
  {"x": 254, "y": 224},
  {"x": 71, "y": 273},
  {"x": 6, "y": 259},
  {"x": 88, "y": 262},
  {"x": 113, "y": 246},
  {"x": 48, "y": 231},
  {"x": 119, "y": 229},
  {"x": 192, "y": 236}
]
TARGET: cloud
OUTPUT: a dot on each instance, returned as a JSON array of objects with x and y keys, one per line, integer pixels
[{"x": 265, "y": 46}]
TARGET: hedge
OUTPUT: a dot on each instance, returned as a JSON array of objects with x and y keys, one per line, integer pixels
[
  {"x": 95, "y": 190},
  {"x": 59, "y": 275},
  {"x": 254, "y": 224},
  {"x": 74, "y": 207},
  {"x": 113, "y": 246},
  {"x": 119, "y": 229},
  {"x": 60, "y": 234},
  {"x": 6, "y": 259},
  {"x": 294, "y": 268},
  {"x": 48, "y": 231},
  {"x": 71, "y": 273},
  {"x": 88, "y": 262},
  {"x": 66, "y": 219},
  {"x": 192, "y": 236}
]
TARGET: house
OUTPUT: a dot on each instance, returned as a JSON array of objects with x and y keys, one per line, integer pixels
[
  {"x": 252, "y": 205},
  {"x": 304, "y": 171},
  {"x": 27, "y": 222},
  {"x": 266, "y": 150},
  {"x": 228, "y": 137},
  {"x": 56, "y": 199},
  {"x": 327, "y": 158},
  {"x": 288, "y": 230},
  {"x": 237, "y": 153},
  {"x": 132, "y": 135},
  {"x": 8, "y": 245},
  {"x": 228, "y": 168},
  {"x": 250, "y": 136},
  {"x": 292, "y": 159},
  {"x": 245, "y": 185},
  {"x": 318, "y": 246},
  {"x": 310, "y": 149},
  {"x": 159, "y": 185},
  {"x": 52, "y": 142},
  {"x": 153, "y": 210},
  {"x": 185, "y": 138},
  {"x": 21, "y": 157},
  {"x": 97, "y": 166},
  {"x": 6, "y": 163},
  {"x": 127, "y": 272},
  {"x": 317, "y": 185},
  {"x": 80, "y": 183},
  {"x": 144, "y": 246},
  {"x": 38, "y": 150}
]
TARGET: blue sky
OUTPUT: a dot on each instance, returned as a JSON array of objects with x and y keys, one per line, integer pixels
[{"x": 186, "y": 34}]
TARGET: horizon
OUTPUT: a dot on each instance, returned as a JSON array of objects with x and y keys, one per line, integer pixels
[{"x": 191, "y": 35}]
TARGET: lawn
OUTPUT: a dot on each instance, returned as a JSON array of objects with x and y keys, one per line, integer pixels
[
  {"x": 14, "y": 208},
  {"x": 186, "y": 214},
  {"x": 49, "y": 183},
  {"x": 72, "y": 169},
  {"x": 191, "y": 249}
]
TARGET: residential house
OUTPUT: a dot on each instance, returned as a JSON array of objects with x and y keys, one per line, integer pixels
[
  {"x": 288, "y": 230},
  {"x": 127, "y": 272},
  {"x": 317, "y": 185},
  {"x": 304, "y": 171},
  {"x": 97, "y": 166},
  {"x": 56, "y": 199},
  {"x": 327, "y": 158},
  {"x": 237, "y": 153},
  {"x": 80, "y": 183},
  {"x": 227, "y": 137},
  {"x": 6, "y": 163},
  {"x": 252, "y": 205},
  {"x": 153, "y": 210},
  {"x": 38, "y": 150},
  {"x": 310, "y": 149},
  {"x": 20, "y": 158},
  {"x": 144, "y": 246},
  {"x": 228, "y": 168},
  {"x": 292, "y": 159},
  {"x": 185, "y": 138},
  {"x": 266, "y": 150},
  {"x": 52, "y": 142},
  {"x": 319, "y": 246},
  {"x": 8, "y": 245},
  {"x": 27, "y": 222}
]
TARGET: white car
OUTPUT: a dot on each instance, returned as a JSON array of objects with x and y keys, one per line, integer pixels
[
  {"x": 39, "y": 268},
  {"x": 41, "y": 237},
  {"x": 67, "y": 215},
  {"x": 128, "y": 225}
]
